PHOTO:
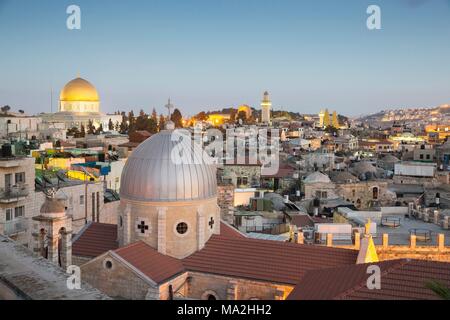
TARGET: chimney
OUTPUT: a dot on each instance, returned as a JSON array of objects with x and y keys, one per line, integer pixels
[
  {"x": 385, "y": 240},
  {"x": 412, "y": 241},
  {"x": 329, "y": 239},
  {"x": 441, "y": 241},
  {"x": 300, "y": 238}
]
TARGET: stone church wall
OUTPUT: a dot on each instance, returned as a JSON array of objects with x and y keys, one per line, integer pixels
[
  {"x": 117, "y": 282},
  {"x": 227, "y": 288}
]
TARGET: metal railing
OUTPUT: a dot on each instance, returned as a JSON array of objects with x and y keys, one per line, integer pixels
[
  {"x": 14, "y": 192},
  {"x": 14, "y": 226}
]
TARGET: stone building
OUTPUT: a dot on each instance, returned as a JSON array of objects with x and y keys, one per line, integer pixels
[
  {"x": 16, "y": 195},
  {"x": 52, "y": 232}
]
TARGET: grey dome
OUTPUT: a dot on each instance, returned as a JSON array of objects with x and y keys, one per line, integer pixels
[
  {"x": 150, "y": 174},
  {"x": 317, "y": 177}
]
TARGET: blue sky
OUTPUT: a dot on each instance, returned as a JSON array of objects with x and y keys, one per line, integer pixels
[{"x": 205, "y": 54}]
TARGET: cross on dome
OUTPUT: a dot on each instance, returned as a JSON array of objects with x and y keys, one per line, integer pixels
[{"x": 169, "y": 107}]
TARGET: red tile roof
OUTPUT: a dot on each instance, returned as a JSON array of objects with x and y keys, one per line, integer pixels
[
  {"x": 265, "y": 260},
  {"x": 400, "y": 279},
  {"x": 230, "y": 253},
  {"x": 302, "y": 220},
  {"x": 156, "y": 266},
  {"x": 229, "y": 231},
  {"x": 95, "y": 239}
]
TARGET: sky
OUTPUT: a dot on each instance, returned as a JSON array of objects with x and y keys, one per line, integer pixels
[{"x": 212, "y": 54}]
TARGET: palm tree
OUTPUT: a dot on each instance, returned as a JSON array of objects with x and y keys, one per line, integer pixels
[{"x": 439, "y": 289}]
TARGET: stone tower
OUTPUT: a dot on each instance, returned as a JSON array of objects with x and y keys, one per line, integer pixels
[
  {"x": 266, "y": 106},
  {"x": 52, "y": 232}
]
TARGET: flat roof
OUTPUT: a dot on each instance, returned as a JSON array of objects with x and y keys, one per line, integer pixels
[{"x": 36, "y": 278}]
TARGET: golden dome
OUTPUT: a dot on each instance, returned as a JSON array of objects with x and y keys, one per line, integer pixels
[{"x": 79, "y": 90}]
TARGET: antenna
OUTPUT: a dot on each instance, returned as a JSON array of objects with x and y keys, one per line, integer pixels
[{"x": 51, "y": 100}]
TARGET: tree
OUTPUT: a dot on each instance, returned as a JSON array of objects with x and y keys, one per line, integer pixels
[
  {"x": 162, "y": 122},
  {"x": 82, "y": 131},
  {"x": 21, "y": 111},
  {"x": 326, "y": 118},
  {"x": 242, "y": 115},
  {"x": 110, "y": 125},
  {"x": 233, "y": 115},
  {"x": 331, "y": 130},
  {"x": 100, "y": 129},
  {"x": 154, "y": 115},
  {"x": 73, "y": 132},
  {"x": 439, "y": 289},
  {"x": 131, "y": 122},
  {"x": 5, "y": 109},
  {"x": 90, "y": 127},
  {"x": 152, "y": 126},
  {"x": 335, "y": 121},
  {"x": 141, "y": 121},
  {"x": 202, "y": 116},
  {"x": 177, "y": 118}
]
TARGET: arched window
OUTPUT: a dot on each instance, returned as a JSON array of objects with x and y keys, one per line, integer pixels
[
  {"x": 210, "y": 295},
  {"x": 375, "y": 193}
]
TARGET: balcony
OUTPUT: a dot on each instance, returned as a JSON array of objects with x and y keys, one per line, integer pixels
[
  {"x": 14, "y": 193},
  {"x": 14, "y": 227}
]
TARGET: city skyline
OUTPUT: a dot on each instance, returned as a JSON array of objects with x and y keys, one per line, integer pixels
[{"x": 217, "y": 54}]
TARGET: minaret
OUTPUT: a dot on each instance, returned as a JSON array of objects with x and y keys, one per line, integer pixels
[
  {"x": 266, "y": 106},
  {"x": 52, "y": 232}
]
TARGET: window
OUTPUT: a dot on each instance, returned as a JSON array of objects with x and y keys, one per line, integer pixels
[
  {"x": 182, "y": 228},
  {"x": 428, "y": 157},
  {"x": 242, "y": 181},
  {"x": 9, "y": 214},
  {"x": 20, "y": 177},
  {"x": 19, "y": 212},
  {"x": 108, "y": 264},
  {"x": 375, "y": 193},
  {"x": 421, "y": 156},
  {"x": 82, "y": 200}
]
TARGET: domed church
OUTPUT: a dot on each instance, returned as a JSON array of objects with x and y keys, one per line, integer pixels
[
  {"x": 170, "y": 242},
  {"x": 79, "y": 103},
  {"x": 170, "y": 206}
]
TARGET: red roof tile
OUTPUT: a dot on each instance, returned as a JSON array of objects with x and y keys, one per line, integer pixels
[
  {"x": 400, "y": 279},
  {"x": 302, "y": 220},
  {"x": 265, "y": 260},
  {"x": 229, "y": 231},
  {"x": 230, "y": 253},
  {"x": 156, "y": 266},
  {"x": 95, "y": 239}
]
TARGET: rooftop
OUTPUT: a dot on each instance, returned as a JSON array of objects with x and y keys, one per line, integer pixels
[
  {"x": 94, "y": 239},
  {"x": 400, "y": 280},
  {"x": 23, "y": 276}
]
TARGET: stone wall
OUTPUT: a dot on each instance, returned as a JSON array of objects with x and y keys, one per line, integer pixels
[
  {"x": 117, "y": 282},
  {"x": 225, "y": 200},
  {"x": 227, "y": 288}
]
